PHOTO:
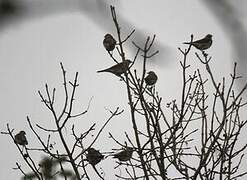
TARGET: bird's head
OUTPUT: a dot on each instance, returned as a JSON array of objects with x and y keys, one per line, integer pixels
[
  {"x": 128, "y": 61},
  {"x": 150, "y": 72},
  {"x": 108, "y": 36},
  {"x": 129, "y": 149},
  {"x": 22, "y": 132},
  {"x": 209, "y": 36},
  {"x": 91, "y": 150}
]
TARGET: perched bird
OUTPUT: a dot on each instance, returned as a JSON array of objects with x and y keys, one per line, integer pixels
[
  {"x": 109, "y": 42},
  {"x": 151, "y": 78},
  {"x": 21, "y": 139},
  {"x": 119, "y": 68},
  {"x": 203, "y": 43},
  {"x": 94, "y": 156},
  {"x": 124, "y": 155}
]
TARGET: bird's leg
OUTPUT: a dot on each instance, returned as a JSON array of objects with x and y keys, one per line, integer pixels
[
  {"x": 204, "y": 53},
  {"x": 121, "y": 78}
]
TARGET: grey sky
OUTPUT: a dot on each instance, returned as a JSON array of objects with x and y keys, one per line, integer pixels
[{"x": 32, "y": 47}]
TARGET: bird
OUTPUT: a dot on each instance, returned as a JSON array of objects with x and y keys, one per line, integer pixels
[
  {"x": 202, "y": 44},
  {"x": 109, "y": 42},
  {"x": 151, "y": 78},
  {"x": 21, "y": 139},
  {"x": 94, "y": 156},
  {"x": 124, "y": 155},
  {"x": 119, "y": 68}
]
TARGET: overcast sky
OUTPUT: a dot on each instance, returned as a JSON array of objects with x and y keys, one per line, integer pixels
[{"x": 33, "y": 44}]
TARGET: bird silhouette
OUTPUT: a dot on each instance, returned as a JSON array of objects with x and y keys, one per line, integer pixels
[
  {"x": 151, "y": 78},
  {"x": 124, "y": 155},
  {"x": 94, "y": 156},
  {"x": 21, "y": 139},
  {"x": 109, "y": 42},
  {"x": 202, "y": 44},
  {"x": 119, "y": 68}
]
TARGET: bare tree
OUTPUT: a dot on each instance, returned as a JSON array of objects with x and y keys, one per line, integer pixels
[{"x": 195, "y": 136}]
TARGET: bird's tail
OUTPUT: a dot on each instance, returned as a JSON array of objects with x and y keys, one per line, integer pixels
[
  {"x": 187, "y": 43},
  {"x": 101, "y": 71}
]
